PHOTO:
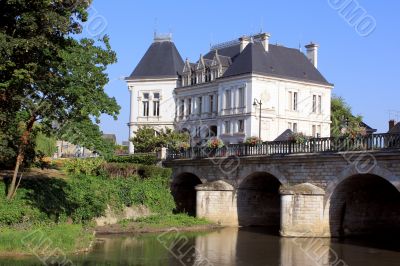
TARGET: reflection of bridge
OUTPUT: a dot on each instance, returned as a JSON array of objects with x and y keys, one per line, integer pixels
[{"x": 320, "y": 187}]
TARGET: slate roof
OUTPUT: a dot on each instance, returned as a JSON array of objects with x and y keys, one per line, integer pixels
[
  {"x": 369, "y": 129},
  {"x": 285, "y": 136},
  {"x": 161, "y": 60},
  {"x": 278, "y": 61}
]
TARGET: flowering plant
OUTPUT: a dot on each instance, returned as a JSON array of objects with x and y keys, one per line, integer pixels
[
  {"x": 183, "y": 145},
  {"x": 214, "y": 143},
  {"x": 252, "y": 141},
  {"x": 299, "y": 138}
]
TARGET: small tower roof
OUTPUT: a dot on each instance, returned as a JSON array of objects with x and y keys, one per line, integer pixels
[{"x": 162, "y": 60}]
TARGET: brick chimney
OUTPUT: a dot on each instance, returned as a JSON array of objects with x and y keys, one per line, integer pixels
[
  {"x": 392, "y": 123},
  {"x": 244, "y": 41},
  {"x": 312, "y": 53}
]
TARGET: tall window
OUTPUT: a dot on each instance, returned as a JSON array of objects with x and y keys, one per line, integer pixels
[
  {"x": 193, "y": 78},
  {"x": 314, "y": 103},
  {"x": 228, "y": 99},
  {"x": 241, "y": 126},
  {"x": 319, "y": 105},
  {"x": 207, "y": 75},
  {"x": 292, "y": 100},
  {"x": 156, "y": 104},
  {"x": 295, "y": 101},
  {"x": 211, "y": 99},
  {"x": 200, "y": 107},
  {"x": 314, "y": 131},
  {"x": 227, "y": 125},
  {"x": 145, "y": 104},
  {"x": 189, "y": 107},
  {"x": 182, "y": 108},
  {"x": 294, "y": 127},
  {"x": 241, "y": 97}
]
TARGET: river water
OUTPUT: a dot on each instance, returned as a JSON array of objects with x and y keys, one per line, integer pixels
[{"x": 230, "y": 246}]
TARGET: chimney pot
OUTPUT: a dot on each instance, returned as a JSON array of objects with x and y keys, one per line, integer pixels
[
  {"x": 264, "y": 37},
  {"x": 392, "y": 123},
  {"x": 312, "y": 53},
  {"x": 244, "y": 41}
]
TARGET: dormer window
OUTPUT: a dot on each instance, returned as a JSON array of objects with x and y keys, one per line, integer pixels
[
  {"x": 193, "y": 79},
  {"x": 207, "y": 75}
]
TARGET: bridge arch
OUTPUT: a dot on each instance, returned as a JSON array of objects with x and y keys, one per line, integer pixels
[
  {"x": 247, "y": 172},
  {"x": 184, "y": 192},
  {"x": 363, "y": 204},
  {"x": 258, "y": 200},
  {"x": 352, "y": 170}
]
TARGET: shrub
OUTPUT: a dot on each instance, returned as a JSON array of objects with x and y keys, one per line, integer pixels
[
  {"x": 153, "y": 193},
  {"x": 90, "y": 166},
  {"x": 88, "y": 197},
  {"x": 146, "y": 159},
  {"x": 19, "y": 210}
]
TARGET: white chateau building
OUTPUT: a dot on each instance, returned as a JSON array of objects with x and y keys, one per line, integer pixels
[{"x": 221, "y": 93}]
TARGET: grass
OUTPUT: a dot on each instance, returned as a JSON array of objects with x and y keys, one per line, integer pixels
[
  {"x": 170, "y": 220},
  {"x": 38, "y": 240}
]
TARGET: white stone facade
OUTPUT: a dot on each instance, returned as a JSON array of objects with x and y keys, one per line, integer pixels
[
  {"x": 227, "y": 104},
  {"x": 151, "y": 104},
  {"x": 201, "y": 99}
]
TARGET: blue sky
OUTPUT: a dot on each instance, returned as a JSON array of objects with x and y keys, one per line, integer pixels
[{"x": 364, "y": 69}]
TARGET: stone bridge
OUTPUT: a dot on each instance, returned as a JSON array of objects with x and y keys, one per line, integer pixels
[{"x": 324, "y": 194}]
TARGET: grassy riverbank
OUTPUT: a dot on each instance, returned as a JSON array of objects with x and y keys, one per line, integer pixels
[
  {"x": 63, "y": 206},
  {"x": 43, "y": 240}
]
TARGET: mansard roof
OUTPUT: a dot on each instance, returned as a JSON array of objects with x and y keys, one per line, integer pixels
[
  {"x": 278, "y": 61},
  {"x": 162, "y": 60}
]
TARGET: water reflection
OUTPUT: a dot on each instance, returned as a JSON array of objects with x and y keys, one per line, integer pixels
[{"x": 233, "y": 247}]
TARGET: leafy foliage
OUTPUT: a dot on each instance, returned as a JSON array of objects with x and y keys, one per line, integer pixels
[
  {"x": 88, "y": 197},
  {"x": 147, "y": 139},
  {"x": 146, "y": 159},
  {"x": 342, "y": 117},
  {"x": 89, "y": 166},
  {"x": 18, "y": 211},
  {"x": 45, "y": 145},
  {"x": 49, "y": 75}
]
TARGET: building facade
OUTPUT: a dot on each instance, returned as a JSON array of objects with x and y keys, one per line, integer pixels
[
  {"x": 221, "y": 93},
  {"x": 151, "y": 87},
  {"x": 242, "y": 88}
]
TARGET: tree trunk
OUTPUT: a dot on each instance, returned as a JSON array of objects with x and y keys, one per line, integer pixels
[{"x": 20, "y": 158}]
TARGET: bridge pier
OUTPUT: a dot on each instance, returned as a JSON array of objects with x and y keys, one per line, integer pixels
[
  {"x": 217, "y": 202},
  {"x": 302, "y": 211},
  {"x": 302, "y": 208}
]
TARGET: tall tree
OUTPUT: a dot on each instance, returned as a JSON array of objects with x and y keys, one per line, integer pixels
[
  {"x": 47, "y": 73},
  {"x": 342, "y": 117}
]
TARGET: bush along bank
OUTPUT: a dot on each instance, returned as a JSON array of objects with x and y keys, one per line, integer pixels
[{"x": 92, "y": 187}]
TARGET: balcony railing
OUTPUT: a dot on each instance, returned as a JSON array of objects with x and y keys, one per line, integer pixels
[{"x": 314, "y": 145}]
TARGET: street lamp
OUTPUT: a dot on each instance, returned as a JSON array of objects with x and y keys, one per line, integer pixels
[{"x": 255, "y": 104}]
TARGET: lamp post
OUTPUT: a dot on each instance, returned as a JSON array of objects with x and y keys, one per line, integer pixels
[{"x": 255, "y": 104}]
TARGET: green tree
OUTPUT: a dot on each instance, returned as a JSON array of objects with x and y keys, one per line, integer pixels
[
  {"x": 147, "y": 139},
  {"x": 45, "y": 145},
  {"x": 342, "y": 117},
  {"x": 47, "y": 73}
]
